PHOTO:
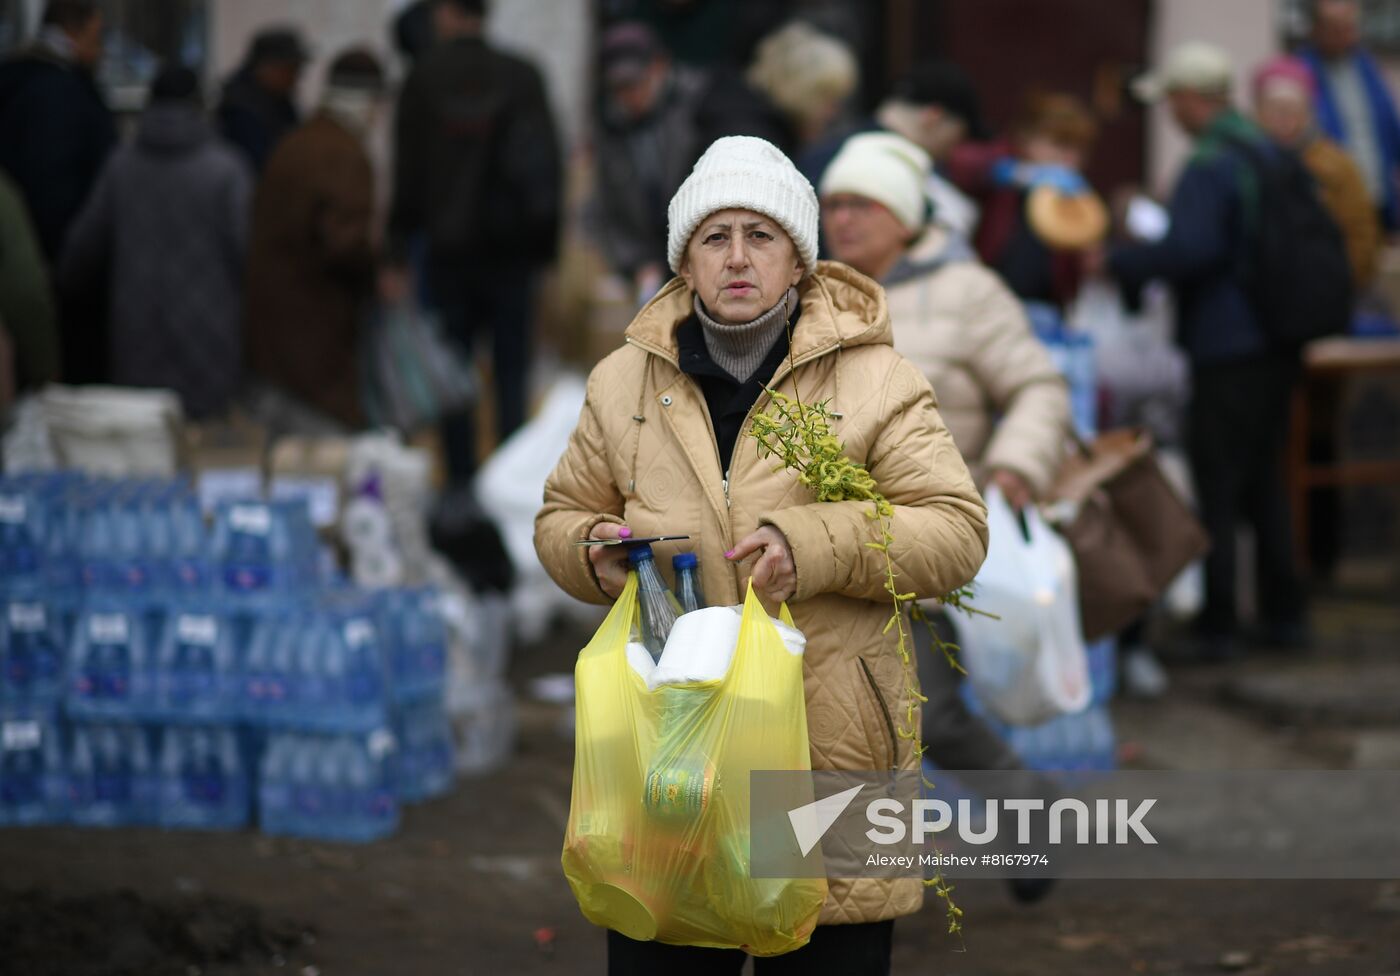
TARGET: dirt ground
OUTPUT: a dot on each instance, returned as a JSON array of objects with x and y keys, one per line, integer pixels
[{"x": 472, "y": 884}]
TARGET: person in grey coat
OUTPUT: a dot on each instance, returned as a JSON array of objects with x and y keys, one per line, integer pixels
[{"x": 168, "y": 221}]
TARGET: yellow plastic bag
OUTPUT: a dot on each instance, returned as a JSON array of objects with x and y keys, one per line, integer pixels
[{"x": 657, "y": 845}]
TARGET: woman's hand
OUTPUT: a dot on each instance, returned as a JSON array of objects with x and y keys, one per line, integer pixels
[
  {"x": 609, "y": 562},
  {"x": 1013, "y": 487},
  {"x": 774, "y": 576}
]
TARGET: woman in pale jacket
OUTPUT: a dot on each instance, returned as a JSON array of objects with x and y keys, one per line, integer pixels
[
  {"x": 1005, "y": 403},
  {"x": 661, "y": 447}
]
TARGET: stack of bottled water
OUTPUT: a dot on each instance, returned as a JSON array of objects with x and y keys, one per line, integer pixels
[
  {"x": 331, "y": 787},
  {"x": 154, "y": 670},
  {"x": 1075, "y": 745},
  {"x": 416, "y": 638}
]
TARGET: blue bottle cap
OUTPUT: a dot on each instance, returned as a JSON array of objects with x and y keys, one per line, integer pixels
[
  {"x": 639, "y": 554},
  {"x": 684, "y": 560}
]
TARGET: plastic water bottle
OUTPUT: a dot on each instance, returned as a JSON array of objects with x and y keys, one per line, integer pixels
[
  {"x": 257, "y": 670},
  {"x": 111, "y": 795},
  {"x": 200, "y": 779},
  {"x": 317, "y": 666},
  {"x": 174, "y": 804},
  {"x": 188, "y": 566},
  {"x": 196, "y": 667},
  {"x": 275, "y": 802},
  {"x": 372, "y": 808},
  {"x": 332, "y": 812},
  {"x": 139, "y": 768},
  {"x": 99, "y": 542},
  {"x": 284, "y": 693},
  {"x": 357, "y": 642},
  {"x": 31, "y": 648},
  {"x": 110, "y": 675},
  {"x": 63, "y": 535},
  {"x": 659, "y": 608},
  {"x": 243, "y": 546},
  {"x": 129, "y": 521},
  {"x": 308, "y": 804},
  {"x": 81, "y": 773},
  {"x": 234, "y": 786},
  {"x": 31, "y": 771},
  {"x": 688, "y": 592},
  {"x": 21, "y": 529}
]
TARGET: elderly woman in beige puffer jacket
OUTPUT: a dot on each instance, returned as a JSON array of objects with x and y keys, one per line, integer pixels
[
  {"x": 660, "y": 447},
  {"x": 1005, "y": 403}
]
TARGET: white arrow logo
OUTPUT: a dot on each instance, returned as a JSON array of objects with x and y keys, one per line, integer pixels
[{"x": 811, "y": 822}]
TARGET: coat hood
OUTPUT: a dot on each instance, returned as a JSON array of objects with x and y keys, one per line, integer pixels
[
  {"x": 172, "y": 127},
  {"x": 936, "y": 249},
  {"x": 841, "y": 308}
]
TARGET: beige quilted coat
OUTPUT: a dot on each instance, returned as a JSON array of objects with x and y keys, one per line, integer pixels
[
  {"x": 644, "y": 452},
  {"x": 967, "y": 333}
]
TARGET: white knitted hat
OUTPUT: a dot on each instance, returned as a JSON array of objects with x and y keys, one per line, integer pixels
[
  {"x": 743, "y": 172},
  {"x": 884, "y": 167}
]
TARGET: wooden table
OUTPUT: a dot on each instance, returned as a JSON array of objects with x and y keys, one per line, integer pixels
[{"x": 1332, "y": 360}]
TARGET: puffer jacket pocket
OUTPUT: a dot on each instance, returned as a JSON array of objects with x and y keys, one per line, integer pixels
[{"x": 877, "y": 718}]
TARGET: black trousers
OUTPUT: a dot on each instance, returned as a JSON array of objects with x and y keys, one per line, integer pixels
[
  {"x": 838, "y": 950},
  {"x": 1238, "y": 434},
  {"x": 495, "y": 304}
]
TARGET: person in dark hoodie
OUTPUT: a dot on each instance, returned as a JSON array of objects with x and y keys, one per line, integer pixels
[
  {"x": 55, "y": 130},
  {"x": 55, "y": 134},
  {"x": 168, "y": 220},
  {"x": 257, "y": 108}
]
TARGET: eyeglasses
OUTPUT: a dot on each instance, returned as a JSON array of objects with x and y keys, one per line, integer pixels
[{"x": 855, "y": 204}]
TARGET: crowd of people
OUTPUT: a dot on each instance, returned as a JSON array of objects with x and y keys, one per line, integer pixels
[{"x": 232, "y": 250}]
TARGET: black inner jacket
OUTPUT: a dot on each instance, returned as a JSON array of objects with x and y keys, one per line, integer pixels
[{"x": 727, "y": 398}]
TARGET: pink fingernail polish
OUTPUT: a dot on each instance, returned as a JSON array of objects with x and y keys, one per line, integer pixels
[
  {"x": 624, "y": 533},
  {"x": 729, "y": 554}
]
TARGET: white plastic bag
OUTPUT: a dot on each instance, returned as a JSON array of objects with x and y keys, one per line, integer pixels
[
  {"x": 1029, "y": 665},
  {"x": 701, "y": 645},
  {"x": 510, "y": 488}
]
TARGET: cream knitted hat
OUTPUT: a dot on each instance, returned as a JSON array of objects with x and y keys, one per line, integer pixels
[
  {"x": 884, "y": 167},
  {"x": 743, "y": 172}
]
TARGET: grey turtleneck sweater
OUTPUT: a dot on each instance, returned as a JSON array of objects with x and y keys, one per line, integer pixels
[{"x": 740, "y": 349}]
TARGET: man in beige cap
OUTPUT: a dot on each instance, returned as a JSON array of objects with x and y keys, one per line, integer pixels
[{"x": 1241, "y": 376}]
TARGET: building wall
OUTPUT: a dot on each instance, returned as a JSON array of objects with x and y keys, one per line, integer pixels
[{"x": 1245, "y": 28}]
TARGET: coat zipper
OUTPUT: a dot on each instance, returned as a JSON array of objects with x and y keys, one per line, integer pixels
[
  {"x": 884, "y": 711},
  {"x": 789, "y": 367}
]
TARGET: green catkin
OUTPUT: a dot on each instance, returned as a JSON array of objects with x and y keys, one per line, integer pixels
[{"x": 801, "y": 436}]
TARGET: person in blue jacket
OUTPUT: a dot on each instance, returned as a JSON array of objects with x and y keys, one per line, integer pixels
[
  {"x": 1241, "y": 382},
  {"x": 1353, "y": 105}
]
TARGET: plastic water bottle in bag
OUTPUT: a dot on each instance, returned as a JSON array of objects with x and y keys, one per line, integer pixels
[
  {"x": 659, "y": 608},
  {"x": 688, "y": 592}
]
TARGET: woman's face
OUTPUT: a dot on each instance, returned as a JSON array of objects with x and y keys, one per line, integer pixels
[
  {"x": 740, "y": 263},
  {"x": 863, "y": 233}
]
